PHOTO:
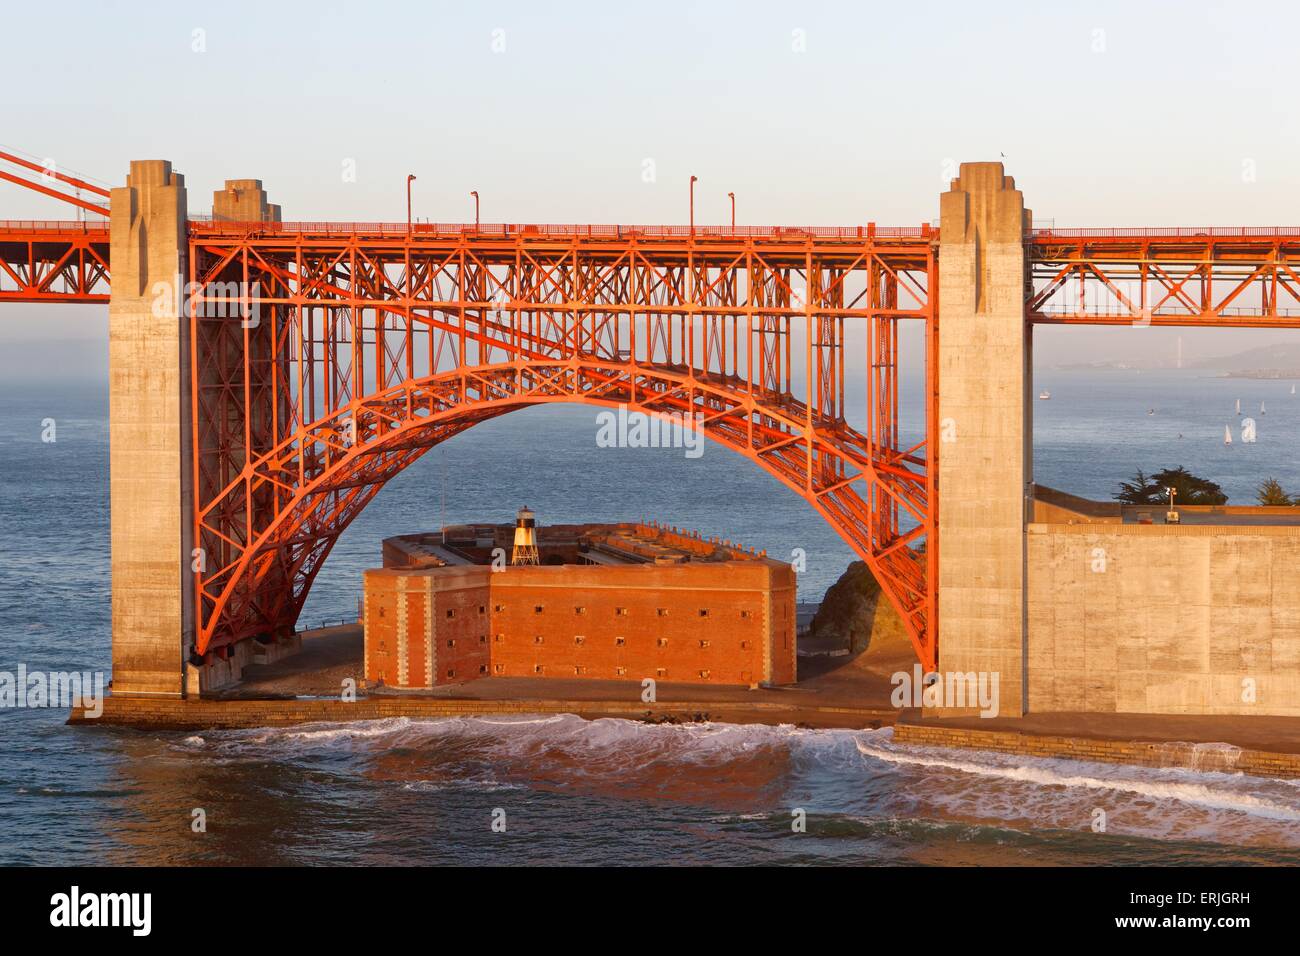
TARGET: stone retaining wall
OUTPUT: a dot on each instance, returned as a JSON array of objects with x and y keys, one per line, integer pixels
[
  {"x": 171, "y": 714},
  {"x": 1140, "y": 752}
]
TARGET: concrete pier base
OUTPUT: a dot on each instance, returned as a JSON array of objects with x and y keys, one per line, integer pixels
[{"x": 223, "y": 669}]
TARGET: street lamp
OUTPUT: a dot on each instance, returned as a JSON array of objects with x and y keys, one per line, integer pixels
[
  {"x": 474, "y": 193},
  {"x": 693, "y": 180},
  {"x": 732, "y": 197},
  {"x": 410, "y": 178}
]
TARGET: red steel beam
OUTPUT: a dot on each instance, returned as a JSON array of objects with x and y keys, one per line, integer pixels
[{"x": 48, "y": 174}]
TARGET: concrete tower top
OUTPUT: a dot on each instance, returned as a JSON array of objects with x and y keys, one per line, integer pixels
[
  {"x": 243, "y": 200},
  {"x": 983, "y": 205},
  {"x": 153, "y": 172}
]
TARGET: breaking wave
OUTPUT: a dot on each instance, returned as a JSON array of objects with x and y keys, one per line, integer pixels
[{"x": 748, "y": 773}]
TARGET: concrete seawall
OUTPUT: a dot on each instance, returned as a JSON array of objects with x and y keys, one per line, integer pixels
[
  {"x": 1153, "y": 750},
  {"x": 172, "y": 714}
]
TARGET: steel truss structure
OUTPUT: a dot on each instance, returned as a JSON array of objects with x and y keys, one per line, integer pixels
[
  {"x": 1242, "y": 277},
  {"x": 357, "y": 348},
  {"x": 53, "y": 261}
]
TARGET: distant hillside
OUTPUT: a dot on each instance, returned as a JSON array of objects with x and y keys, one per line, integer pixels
[{"x": 1276, "y": 356}]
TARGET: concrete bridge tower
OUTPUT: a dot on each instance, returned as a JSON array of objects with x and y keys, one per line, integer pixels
[
  {"x": 151, "y": 492},
  {"x": 151, "y": 438},
  {"x": 984, "y": 430}
]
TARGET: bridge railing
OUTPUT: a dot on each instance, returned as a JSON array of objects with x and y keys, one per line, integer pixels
[
  {"x": 564, "y": 231},
  {"x": 1176, "y": 232},
  {"x": 53, "y": 225}
]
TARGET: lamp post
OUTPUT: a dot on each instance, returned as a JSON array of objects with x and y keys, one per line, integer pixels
[
  {"x": 693, "y": 179},
  {"x": 474, "y": 193},
  {"x": 732, "y": 197},
  {"x": 410, "y": 178}
]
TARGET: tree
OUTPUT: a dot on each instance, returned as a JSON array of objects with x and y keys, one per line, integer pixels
[
  {"x": 1188, "y": 489},
  {"x": 1140, "y": 491},
  {"x": 1270, "y": 492}
]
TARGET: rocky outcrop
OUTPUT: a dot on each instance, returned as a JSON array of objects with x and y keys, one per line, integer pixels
[{"x": 855, "y": 614}]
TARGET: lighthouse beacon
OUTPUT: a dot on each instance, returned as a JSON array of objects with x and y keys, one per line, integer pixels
[{"x": 525, "y": 550}]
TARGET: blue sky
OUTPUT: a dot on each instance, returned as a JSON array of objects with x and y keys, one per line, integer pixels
[{"x": 1133, "y": 113}]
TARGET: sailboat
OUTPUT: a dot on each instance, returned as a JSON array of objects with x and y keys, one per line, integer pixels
[
  {"x": 1227, "y": 435},
  {"x": 1261, "y": 409},
  {"x": 1238, "y": 406},
  {"x": 1292, "y": 389}
]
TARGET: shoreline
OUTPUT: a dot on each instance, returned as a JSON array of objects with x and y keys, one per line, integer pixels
[
  {"x": 834, "y": 692},
  {"x": 198, "y": 715}
]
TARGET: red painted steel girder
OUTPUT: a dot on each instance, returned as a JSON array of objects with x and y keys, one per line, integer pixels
[
  {"x": 53, "y": 261},
  {"x": 1214, "y": 277}
]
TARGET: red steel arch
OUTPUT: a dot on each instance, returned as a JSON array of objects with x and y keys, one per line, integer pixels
[{"x": 364, "y": 346}]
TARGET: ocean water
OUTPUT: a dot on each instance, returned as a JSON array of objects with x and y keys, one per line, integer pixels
[{"x": 605, "y": 791}]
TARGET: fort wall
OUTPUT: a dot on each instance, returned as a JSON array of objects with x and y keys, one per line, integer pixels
[{"x": 706, "y": 622}]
